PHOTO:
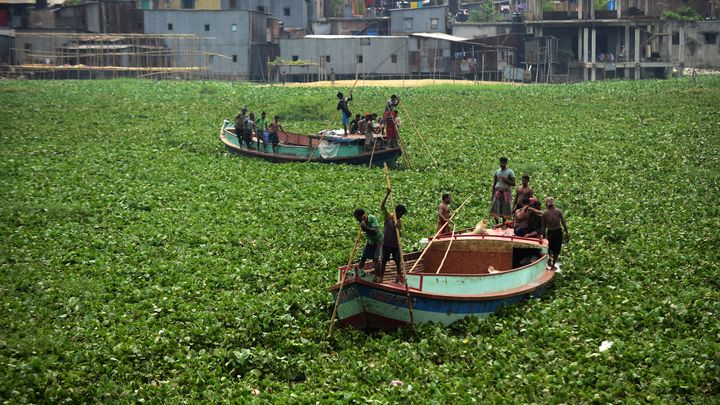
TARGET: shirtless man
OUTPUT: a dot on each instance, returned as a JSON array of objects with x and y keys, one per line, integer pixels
[
  {"x": 553, "y": 220},
  {"x": 443, "y": 210},
  {"x": 523, "y": 192}
]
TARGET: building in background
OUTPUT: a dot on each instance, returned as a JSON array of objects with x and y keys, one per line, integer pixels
[
  {"x": 238, "y": 43},
  {"x": 350, "y": 56}
]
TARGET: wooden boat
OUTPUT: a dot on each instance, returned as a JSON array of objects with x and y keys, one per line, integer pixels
[
  {"x": 324, "y": 148},
  {"x": 481, "y": 274}
]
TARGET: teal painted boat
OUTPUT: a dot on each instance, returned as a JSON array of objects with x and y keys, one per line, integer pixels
[
  {"x": 458, "y": 276},
  {"x": 322, "y": 148}
]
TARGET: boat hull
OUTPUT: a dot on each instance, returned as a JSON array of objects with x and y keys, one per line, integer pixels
[
  {"x": 349, "y": 153},
  {"x": 444, "y": 298}
]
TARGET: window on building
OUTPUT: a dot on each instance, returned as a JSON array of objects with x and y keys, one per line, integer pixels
[
  {"x": 393, "y": 58},
  {"x": 359, "y": 59},
  {"x": 188, "y": 4},
  {"x": 710, "y": 38},
  {"x": 295, "y": 58},
  {"x": 234, "y": 58},
  {"x": 408, "y": 24},
  {"x": 139, "y": 25},
  {"x": 233, "y": 27},
  {"x": 261, "y": 9},
  {"x": 233, "y": 4},
  {"x": 675, "y": 38},
  {"x": 327, "y": 58},
  {"x": 170, "y": 27},
  {"x": 434, "y": 23},
  {"x": 207, "y": 27},
  {"x": 286, "y": 11}
]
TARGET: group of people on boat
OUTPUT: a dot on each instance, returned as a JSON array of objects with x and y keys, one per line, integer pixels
[
  {"x": 523, "y": 215},
  {"x": 247, "y": 127},
  {"x": 370, "y": 124}
]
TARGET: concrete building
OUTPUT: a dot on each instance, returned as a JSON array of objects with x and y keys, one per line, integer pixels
[
  {"x": 349, "y": 56},
  {"x": 694, "y": 43},
  {"x": 628, "y": 41},
  {"x": 239, "y": 43},
  {"x": 292, "y": 13},
  {"x": 427, "y": 19}
]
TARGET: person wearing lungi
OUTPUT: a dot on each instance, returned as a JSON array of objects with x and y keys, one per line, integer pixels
[{"x": 503, "y": 181}]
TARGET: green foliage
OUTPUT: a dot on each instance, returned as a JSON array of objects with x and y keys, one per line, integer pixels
[
  {"x": 336, "y": 7},
  {"x": 484, "y": 13},
  {"x": 684, "y": 13},
  {"x": 565, "y": 55},
  {"x": 601, "y": 4},
  {"x": 141, "y": 262}
]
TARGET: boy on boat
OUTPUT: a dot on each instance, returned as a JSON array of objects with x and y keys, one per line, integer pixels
[
  {"x": 369, "y": 132},
  {"x": 443, "y": 210},
  {"x": 391, "y": 244},
  {"x": 354, "y": 124},
  {"x": 523, "y": 192},
  {"x": 342, "y": 105},
  {"x": 240, "y": 124},
  {"x": 389, "y": 119},
  {"x": 503, "y": 181},
  {"x": 553, "y": 219},
  {"x": 262, "y": 128},
  {"x": 392, "y": 103},
  {"x": 374, "y": 238},
  {"x": 273, "y": 129},
  {"x": 249, "y": 129}
]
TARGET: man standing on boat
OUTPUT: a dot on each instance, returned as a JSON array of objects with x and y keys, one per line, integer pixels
[
  {"x": 391, "y": 244},
  {"x": 553, "y": 219},
  {"x": 503, "y": 181},
  {"x": 343, "y": 107},
  {"x": 444, "y": 214},
  {"x": 374, "y": 238},
  {"x": 392, "y": 103},
  {"x": 240, "y": 124}
]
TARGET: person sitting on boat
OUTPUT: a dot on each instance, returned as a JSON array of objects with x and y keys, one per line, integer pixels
[
  {"x": 521, "y": 216},
  {"x": 444, "y": 215},
  {"x": 273, "y": 129},
  {"x": 343, "y": 107},
  {"x": 369, "y": 132},
  {"x": 389, "y": 119},
  {"x": 534, "y": 227},
  {"x": 362, "y": 124},
  {"x": 392, "y": 103},
  {"x": 391, "y": 244},
  {"x": 249, "y": 129},
  {"x": 354, "y": 124},
  {"x": 553, "y": 219},
  {"x": 374, "y": 237},
  {"x": 503, "y": 181},
  {"x": 523, "y": 192}
]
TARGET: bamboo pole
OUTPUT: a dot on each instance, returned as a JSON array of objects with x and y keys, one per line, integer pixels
[
  {"x": 342, "y": 282},
  {"x": 330, "y": 123},
  {"x": 400, "y": 249},
  {"x": 452, "y": 238},
  {"x": 373, "y": 152},
  {"x": 436, "y": 235},
  {"x": 404, "y": 111}
]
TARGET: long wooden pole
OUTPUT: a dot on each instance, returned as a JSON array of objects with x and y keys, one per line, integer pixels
[
  {"x": 404, "y": 111},
  {"x": 452, "y": 238},
  {"x": 436, "y": 235},
  {"x": 331, "y": 122},
  {"x": 342, "y": 282},
  {"x": 373, "y": 151},
  {"x": 400, "y": 250}
]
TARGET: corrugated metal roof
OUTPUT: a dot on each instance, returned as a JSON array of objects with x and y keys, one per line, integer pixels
[
  {"x": 351, "y": 36},
  {"x": 440, "y": 35}
]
